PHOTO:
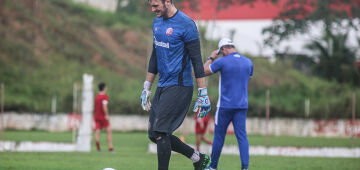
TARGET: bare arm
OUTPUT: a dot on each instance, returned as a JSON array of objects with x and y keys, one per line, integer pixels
[
  {"x": 150, "y": 77},
  {"x": 106, "y": 111},
  {"x": 207, "y": 70},
  {"x": 201, "y": 83}
]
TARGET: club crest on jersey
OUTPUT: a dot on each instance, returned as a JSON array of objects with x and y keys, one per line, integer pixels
[
  {"x": 155, "y": 28},
  {"x": 169, "y": 31}
]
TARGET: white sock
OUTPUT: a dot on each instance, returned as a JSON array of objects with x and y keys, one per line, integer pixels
[{"x": 196, "y": 156}]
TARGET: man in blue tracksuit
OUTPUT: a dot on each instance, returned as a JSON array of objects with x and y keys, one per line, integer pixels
[
  {"x": 235, "y": 72},
  {"x": 176, "y": 50}
]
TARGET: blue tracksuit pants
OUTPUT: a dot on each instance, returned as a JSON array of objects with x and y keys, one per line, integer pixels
[{"x": 223, "y": 117}]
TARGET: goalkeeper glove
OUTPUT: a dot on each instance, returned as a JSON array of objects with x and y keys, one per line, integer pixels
[
  {"x": 145, "y": 96},
  {"x": 202, "y": 106}
]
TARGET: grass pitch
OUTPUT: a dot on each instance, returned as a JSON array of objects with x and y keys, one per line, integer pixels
[{"x": 131, "y": 154}]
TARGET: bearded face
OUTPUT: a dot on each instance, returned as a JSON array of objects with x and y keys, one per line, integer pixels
[{"x": 159, "y": 8}]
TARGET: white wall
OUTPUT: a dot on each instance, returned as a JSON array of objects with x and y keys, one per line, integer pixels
[
  {"x": 106, "y": 5},
  {"x": 277, "y": 126}
]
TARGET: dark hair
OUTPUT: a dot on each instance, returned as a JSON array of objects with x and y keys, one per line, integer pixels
[
  {"x": 163, "y": 1},
  {"x": 101, "y": 86}
]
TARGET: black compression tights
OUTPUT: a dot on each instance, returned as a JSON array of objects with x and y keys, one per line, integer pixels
[{"x": 165, "y": 144}]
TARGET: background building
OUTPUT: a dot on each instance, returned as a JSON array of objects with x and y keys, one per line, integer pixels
[{"x": 245, "y": 23}]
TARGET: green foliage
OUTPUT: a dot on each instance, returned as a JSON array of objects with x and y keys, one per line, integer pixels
[
  {"x": 50, "y": 50},
  {"x": 143, "y": 17},
  {"x": 336, "y": 58},
  {"x": 298, "y": 16},
  {"x": 46, "y": 54},
  {"x": 289, "y": 89},
  {"x": 81, "y": 12}
]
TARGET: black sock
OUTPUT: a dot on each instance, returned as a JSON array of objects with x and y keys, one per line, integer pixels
[
  {"x": 178, "y": 146},
  {"x": 163, "y": 152}
]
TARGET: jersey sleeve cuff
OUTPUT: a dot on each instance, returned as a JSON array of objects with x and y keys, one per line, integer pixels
[{"x": 210, "y": 69}]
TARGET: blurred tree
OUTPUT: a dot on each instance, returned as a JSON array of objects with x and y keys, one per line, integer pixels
[
  {"x": 133, "y": 6},
  {"x": 298, "y": 16},
  {"x": 335, "y": 59},
  {"x": 337, "y": 17}
]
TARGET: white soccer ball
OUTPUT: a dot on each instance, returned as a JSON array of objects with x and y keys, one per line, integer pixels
[{"x": 108, "y": 169}]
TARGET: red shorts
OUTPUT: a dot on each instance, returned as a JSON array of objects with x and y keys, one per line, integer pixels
[
  {"x": 101, "y": 123},
  {"x": 200, "y": 130},
  {"x": 198, "y": 121}
]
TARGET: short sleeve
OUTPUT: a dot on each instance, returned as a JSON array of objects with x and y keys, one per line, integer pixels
[
  {"x": 191, "y": 33},
  {"x": 251, "y": 69},
  {"x": 216, "y": 65},
  {"x": 105, "y": 100}
]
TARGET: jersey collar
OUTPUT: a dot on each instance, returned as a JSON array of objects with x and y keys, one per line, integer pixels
[
  {"x": 231, "y": 54},
  {"x": 171, "y": 16}
]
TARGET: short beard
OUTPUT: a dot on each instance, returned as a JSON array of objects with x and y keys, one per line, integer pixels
[{"x": 165, "y": 12}]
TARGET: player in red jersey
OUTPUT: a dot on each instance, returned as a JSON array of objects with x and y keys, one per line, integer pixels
[
  {"x": 201, "y": 125},
  {"x": 101, "y": 117}
]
